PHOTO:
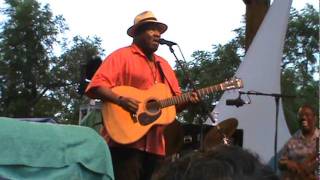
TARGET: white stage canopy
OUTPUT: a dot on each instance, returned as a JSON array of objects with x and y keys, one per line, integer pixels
[{"x": 260, "y": 71}]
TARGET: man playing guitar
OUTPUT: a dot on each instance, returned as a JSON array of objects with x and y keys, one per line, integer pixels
[{"x": 136, "y": 66}]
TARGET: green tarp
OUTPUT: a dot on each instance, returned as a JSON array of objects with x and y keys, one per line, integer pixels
[{"x": 31, "y": 150}]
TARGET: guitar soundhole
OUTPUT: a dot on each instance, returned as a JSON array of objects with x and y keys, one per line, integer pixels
[
  {"x": 152, "y": 106},
  {"x": 151, "y": 114}
]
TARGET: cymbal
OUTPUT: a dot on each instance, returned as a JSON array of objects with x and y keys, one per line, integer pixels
[{"x": 216, "y": 134}]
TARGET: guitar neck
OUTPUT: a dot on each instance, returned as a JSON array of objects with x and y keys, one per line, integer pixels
[{"x": 186, "y": 96}]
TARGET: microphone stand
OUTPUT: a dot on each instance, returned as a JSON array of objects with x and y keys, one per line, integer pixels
[
  {"x": 276, "y": 98},
  {"x": 187, "y": 78}
]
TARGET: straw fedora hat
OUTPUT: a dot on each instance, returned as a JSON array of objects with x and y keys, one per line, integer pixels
[{"x": 144, "y": 18}]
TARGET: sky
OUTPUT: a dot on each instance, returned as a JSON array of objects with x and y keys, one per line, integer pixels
[{"x": 194, "y": 25}]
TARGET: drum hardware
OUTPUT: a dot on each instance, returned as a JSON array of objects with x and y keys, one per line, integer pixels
[
  {"x": 187, "y": 139},
  {"x": 183, "y": 138},
  {"x": 221, "y": 133},
  {"x": 225, "y": 139}
]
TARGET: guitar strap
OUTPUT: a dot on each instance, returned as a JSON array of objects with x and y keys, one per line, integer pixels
[{"x": 163, "y": 77}]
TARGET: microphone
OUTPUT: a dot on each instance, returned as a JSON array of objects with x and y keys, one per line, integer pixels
[
  {"x": 235, "y": 102},
  {"x": 166, "y": 42}
]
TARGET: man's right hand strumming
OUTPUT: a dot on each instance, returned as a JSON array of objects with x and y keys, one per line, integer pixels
[{"x": 129, "y": 104}]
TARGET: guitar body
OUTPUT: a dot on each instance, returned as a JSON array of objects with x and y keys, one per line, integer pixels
[
  {"x": 156, "y": 107},
  {"x": 124, "y": 127}
]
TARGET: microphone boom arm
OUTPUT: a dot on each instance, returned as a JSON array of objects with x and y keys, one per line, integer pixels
[{"x": 187, "y": 78}]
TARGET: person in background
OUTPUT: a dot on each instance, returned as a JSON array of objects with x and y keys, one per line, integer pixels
[
  {"x": 298, "y": 156},
  {"x": 137, "y": 66}
]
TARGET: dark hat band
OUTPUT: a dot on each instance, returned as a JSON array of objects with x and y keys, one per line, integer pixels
[{"x": 147, "y": 19}]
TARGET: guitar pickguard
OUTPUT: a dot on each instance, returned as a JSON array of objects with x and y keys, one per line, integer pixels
[{"x": 145, "y": 119}]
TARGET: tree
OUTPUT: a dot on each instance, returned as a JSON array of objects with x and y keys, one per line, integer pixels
[
  {"x": 68, "y": 71},
  {"x": 25, "y": 47},
  {"x": 210, "y": 68},
  {"x": 300, "y": 72},
  {"x": 34, "y": 81},
  {"x": 300, "y": 75}
]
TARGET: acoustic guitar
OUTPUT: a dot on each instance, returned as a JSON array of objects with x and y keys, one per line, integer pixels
[{"x": 156, "y": 107}]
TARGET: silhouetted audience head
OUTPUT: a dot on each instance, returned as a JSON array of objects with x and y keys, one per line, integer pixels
[{"x": 221, "y": 163}]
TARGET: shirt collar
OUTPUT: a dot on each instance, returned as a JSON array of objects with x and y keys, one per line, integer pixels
[{"x": 315, "y": 134}]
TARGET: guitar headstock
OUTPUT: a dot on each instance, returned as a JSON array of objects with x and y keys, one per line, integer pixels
[{"x": 234, "y": 83}]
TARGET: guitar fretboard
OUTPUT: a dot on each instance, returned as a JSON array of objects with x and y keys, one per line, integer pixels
[{"x": 186, "y": 96}]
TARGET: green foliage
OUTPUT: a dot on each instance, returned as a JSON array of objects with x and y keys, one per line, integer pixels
[
  {"x": 25, "y": 45},
  {"x": 68, "y": 70},
  {"x": 210, "y": 68},
  {"x": 33, "y": 81},
  {"x": 300, "y": 73}
]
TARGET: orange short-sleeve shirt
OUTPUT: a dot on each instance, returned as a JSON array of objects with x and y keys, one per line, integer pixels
[{"x": 128, "y": 66}]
